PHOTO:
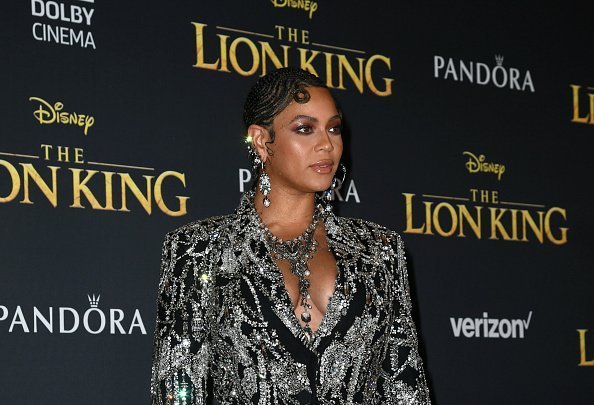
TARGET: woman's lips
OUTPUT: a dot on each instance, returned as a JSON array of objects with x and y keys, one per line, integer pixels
[{"x": 323, "y": 166}]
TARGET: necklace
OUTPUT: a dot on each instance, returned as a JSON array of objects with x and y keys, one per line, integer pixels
[{"x": 297, "y": 252}]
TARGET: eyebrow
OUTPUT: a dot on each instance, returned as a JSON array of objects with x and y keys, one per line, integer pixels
[{"x": 310, "y": 118}]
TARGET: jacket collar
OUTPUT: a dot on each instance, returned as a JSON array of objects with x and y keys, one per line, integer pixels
[{"x": 266, "y": 270}]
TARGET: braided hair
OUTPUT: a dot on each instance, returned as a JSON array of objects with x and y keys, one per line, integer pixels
[{"x": 270, "y": 95}]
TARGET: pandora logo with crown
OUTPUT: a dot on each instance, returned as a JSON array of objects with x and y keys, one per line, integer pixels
[
  {"x": 94, "y": 301},
  {"x": 68, "y": 320},
  {"x": 343, "y": 192},
  {"x": 482, "y": 73}
]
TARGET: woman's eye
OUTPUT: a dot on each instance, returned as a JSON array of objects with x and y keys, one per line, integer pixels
[
  {"x": 304, "y": 129},
  {"x": 337, "y": 130}
]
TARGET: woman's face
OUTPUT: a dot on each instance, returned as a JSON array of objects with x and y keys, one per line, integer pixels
[{"x": 308, "y": 144}]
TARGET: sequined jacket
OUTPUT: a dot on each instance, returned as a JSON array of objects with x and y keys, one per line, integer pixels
[{"x": 226, "y": 327}]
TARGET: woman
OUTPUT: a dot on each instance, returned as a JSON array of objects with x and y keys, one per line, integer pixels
[{"x": 284, "y": 302}]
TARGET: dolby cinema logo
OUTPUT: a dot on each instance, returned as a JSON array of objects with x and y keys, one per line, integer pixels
[
  {"x": 64, "y": 22},
  {"x": 95, "y": 319}
]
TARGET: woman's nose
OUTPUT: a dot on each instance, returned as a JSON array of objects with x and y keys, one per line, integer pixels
[{"x": 325, "y": 142}]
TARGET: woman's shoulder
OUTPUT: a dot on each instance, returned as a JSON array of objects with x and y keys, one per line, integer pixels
[
  {"x": 368, "y": 231},
  {"x": 206, "y": 229},
  {"x": 374, "y": 244}
]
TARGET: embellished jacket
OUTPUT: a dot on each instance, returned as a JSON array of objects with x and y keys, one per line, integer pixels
[{"x": 226, "y": 327}]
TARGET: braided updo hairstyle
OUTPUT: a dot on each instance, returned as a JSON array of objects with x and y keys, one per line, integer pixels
[{"x": 270, "y": 95}]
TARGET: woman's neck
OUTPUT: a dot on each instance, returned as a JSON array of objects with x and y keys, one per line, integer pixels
[{"x": 289, "y": 213}]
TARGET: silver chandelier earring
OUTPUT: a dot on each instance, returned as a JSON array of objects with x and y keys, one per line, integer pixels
[
  {"x": 265, "y": 186},
  {"x": 263, "y": 179}
]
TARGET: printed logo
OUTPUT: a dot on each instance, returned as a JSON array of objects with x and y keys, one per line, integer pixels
[
  {"x": 477, "y": 164},
  {"x": 484, "y": 213},
  {"x": 48, "y": 113},
  {"x": 583, "y": 350},
  {"x": 118, "y": 187},
  {"x": 583, "y": 112},
  {"x": 308, "y": 6},
  {"x": 249, "y": 53},
  {"x": 494, "y": 328},
  {"x": 51, "y": 17},
  {"x": 482, "y": 74},
  {"x": 67, "y": 320},
  {"x": 342, "y": 192}
]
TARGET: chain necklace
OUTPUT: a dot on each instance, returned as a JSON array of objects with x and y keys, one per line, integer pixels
[{"x": 298, "y": 252}]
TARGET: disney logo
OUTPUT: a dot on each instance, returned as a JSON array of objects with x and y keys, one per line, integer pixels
[
  {"x": 305, "y": 5},
  {"x": 477, "y": 164},
  {"x": 50, "y": 114}
]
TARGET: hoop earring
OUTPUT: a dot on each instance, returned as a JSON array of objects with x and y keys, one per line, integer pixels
[
  {"x": 265, "y": 186},
  {"x": 328, "y": 195}
]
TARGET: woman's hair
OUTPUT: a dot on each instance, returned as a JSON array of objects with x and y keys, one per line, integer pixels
[{"x": 272, "y": 93}]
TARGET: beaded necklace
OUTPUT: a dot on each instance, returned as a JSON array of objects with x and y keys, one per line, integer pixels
[{"x": 297, "y": 252}]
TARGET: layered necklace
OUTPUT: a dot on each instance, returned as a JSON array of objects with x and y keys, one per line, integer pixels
[{"x": 297, "y": 252}]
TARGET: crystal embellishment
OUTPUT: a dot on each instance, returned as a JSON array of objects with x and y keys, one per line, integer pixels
[{"x": 298, "y": 252}]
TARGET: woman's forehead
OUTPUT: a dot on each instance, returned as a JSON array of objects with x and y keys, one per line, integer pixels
[{"x": 321, "y": 105}]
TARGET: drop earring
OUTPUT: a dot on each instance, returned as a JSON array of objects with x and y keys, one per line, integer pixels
[{"x": 265, "y": 186}]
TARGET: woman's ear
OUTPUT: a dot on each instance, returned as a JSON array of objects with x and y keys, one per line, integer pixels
[{"x": 259, "y": 136}]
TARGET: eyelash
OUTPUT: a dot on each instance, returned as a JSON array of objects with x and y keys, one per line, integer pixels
[
  {"x": 303, "y": 129},
  {"x": 306, "y": 130},
  {"x": 338, "y": 129}
]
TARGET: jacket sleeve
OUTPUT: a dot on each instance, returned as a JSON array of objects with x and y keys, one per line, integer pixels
[
  {"x": 402, "y": 379},
  {"x": 181, "y": 349}
]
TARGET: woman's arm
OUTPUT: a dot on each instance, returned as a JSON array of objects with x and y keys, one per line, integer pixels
[
  {"x": 402, "y": 380},
  {"x": 181, "y": 350}
]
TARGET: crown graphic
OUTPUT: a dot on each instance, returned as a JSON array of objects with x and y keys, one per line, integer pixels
[
  {"x": 499, "y": 59},
  {"x": 94, "y": 301}
]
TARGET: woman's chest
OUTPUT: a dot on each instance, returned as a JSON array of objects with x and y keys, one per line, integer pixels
[{"x": 255, "y": 302}]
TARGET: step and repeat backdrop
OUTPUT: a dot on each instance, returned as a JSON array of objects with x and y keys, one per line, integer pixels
[{"x": 470, "y": 130}]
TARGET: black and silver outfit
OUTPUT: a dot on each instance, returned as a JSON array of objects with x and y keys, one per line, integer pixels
[{"x": 226, "y": 326}]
